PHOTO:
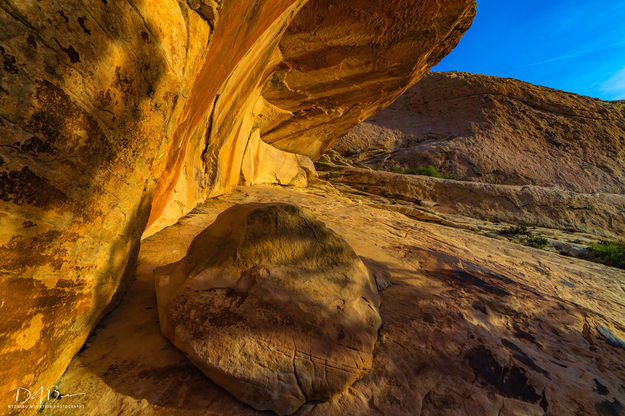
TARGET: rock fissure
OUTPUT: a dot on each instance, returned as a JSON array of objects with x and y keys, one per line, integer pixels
[{"x": 297, "y": 377}]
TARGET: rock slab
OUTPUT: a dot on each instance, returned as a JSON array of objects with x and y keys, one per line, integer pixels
[{"x": 272, "y": 306}]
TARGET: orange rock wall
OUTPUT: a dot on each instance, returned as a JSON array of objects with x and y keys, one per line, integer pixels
[
  {"x": 344, "y": 60},
  {"x": 117, "y": 115}
]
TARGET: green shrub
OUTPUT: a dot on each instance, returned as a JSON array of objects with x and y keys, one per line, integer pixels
[
  {"x": 332, "y": 174},
  {"x": 536, "y": 241},
  {"x": 429, "y": 171},
  {"x": 517, "y": 230},
  {"x": 324, "y": 159},
  {"x": 609, "y": 252},
  {"x": 423, "y": 171}
]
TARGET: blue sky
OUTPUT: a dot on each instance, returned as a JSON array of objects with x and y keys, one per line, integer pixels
[{"x": 571, "y": 45}]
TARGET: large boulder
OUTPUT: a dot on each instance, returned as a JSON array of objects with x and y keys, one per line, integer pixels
[{"x": 273, "y": 306}]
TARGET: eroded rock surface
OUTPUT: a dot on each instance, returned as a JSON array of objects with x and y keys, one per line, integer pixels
[
  {"x": 500, "y": 131},
  {"x": 118, "y": 114},
  {"x": 272, "y": 306},
  {"x": 471, "y": 325},
  {"x": 344, "y": 60},
  {"x": 598, "y": 214}
]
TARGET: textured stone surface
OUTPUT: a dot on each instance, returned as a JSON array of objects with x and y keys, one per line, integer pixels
[
  {"x": 498, "y": 130},
  {"x": 597, "y": 214},
  {"x": 344, "y": 60},
  {"x": 284, "y": 312},
  {"x": 264, "y": 164},
  {"x": 84, "y": 108},
  {"x": 117, "y": 114},
  {"x": 471, "y": 325},
  {"x": 303, "y": 90}
]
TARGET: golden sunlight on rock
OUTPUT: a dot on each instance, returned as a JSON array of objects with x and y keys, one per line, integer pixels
[
  {"x": 214, "y": 207},
  {"x": 116, "y": 116},
  {"x": 470, "y": 324}
]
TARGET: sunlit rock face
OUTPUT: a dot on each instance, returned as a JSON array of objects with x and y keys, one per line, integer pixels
[
  {"x": 121, "y": 115},
  {"x": 300, "y": 88},
  {"x": 534, "y": 135},
  {"x": 344, "y": 60}
]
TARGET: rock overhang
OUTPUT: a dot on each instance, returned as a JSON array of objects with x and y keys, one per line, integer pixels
[{"x": 119, "y": 115}]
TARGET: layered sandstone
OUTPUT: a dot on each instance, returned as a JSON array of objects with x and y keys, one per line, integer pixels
[
  {"x": 500, "y": 131},
  {"x": 598, "y": 214},
  {"x": 119, "y": 115},
  {"x": 344, "y": 60}
]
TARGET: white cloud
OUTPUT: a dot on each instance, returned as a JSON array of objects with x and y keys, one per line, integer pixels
[
  {"x": 615, "y": 86},
  {"x": 578, "y": 54}
]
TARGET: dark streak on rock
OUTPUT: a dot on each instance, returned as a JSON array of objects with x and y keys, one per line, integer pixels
[
  {"x": 522, "y": 334},
  {"x": 74, "y": 57},
  {"x": 28, "y": 224},
  {"x": 8, "y": 61},
  {"x": 81, "y": 22},
  {"x": 36, "y": 145},
  {"x": 24, "y": 187},
  {"x": 609, "y": 337},
  {"x": 509, "y": 381},
  {"x": 32, "y": 41},
  {"x": 544, "y": 404},
  {"x": 523, "y": 358},
  {"x": 63, "y": 15},
  {"x": 56, "y": 122},
  {"x": 206, "y": 12},
  {"x": 467, "y": 279},
  {"x": 600, "y": 389},
  {"x": 479, "y": 306}
]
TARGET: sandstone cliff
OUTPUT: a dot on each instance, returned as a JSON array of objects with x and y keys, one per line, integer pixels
[
  {"x": 117, "y": 115},
  {"x": 500, "y": 131}
]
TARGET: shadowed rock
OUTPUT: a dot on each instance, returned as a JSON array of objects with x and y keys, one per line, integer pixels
[
  {"x": 448, "y": 346},
  {"x": 273, "y": 306},
  {"x": 598, "y": 214}
]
